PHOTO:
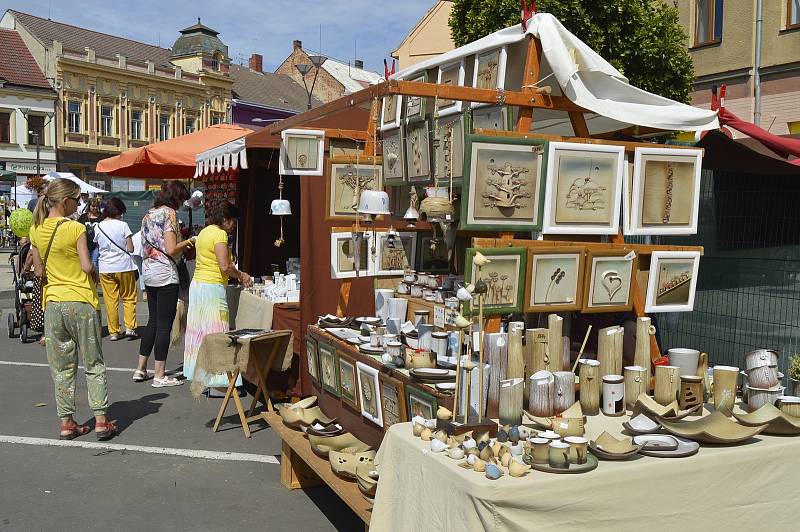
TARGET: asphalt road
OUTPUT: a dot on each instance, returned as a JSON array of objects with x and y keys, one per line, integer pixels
[{"x": 151, "y": 478}]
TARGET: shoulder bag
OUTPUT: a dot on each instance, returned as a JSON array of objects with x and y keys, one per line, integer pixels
[
  {"x": 118, "y": 247},
  {"x": 183, "y": 272},
  {"x": 47, "y": 253}
]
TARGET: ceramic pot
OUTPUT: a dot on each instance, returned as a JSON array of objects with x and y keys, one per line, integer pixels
[
  {"x": 589, "y": 378},
  {"x": 416, "y": 290},
  {"x": 758, "y": 397},
  {"x": 578, "y": 447},
  {"x": 691, "y": 393},
  {"x": 685, "y": 359},
  {"x": 558, "y": 456},
  {"x": 540, "y": 450},
  {"x": 725, "y": 378},
  {"x": 563, "y": 391},
  {"x": 613, "y": 395},
  {"x": 387, "y": 339},
  {"x": 540, "y": 402},
  {"x": 790, "y": 405},
  {"x": 397, "y": 308},
  {"x": 763, "y": 377},
  {"x": 439, "y": 341},
  {"x": 636, "y": 381},
  {"x": 667, "y": 384},
  {"x": 395, "y": 350},
  {"x": 760, "y": 357},
  {"x": 410, "y": 277}
]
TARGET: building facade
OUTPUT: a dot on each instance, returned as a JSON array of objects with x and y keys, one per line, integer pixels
[
  {"x": 429, "y": 38},
  {"x": 27, "y": 108},
  {"x": 113, "y": 94},
  {"x": 763, "y": 82}
]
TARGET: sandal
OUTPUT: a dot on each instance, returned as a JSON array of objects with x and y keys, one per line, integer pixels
[
  {"x": 140, "y": 376},
  {"x": 106, "y": 431},
  {"x": 165, "y": 382},
  {"x": 74, "y": 429}
]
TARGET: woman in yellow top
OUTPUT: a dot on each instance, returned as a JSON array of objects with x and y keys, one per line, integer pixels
[
  {"x": 208, "y": 308},
  {"x": 71, "y": 318}
]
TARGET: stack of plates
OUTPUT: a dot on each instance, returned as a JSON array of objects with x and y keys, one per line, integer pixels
[
  {"x": 368, "y": 320},
  {"x": 332, "y": 321},
  {"x": 432, "y": 375},
  {"x": 370, "y": 350}
]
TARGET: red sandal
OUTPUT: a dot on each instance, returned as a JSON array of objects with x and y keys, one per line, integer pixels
[
  {"x": 106, "y": 431},
  {"x": 74, "y": 429}
]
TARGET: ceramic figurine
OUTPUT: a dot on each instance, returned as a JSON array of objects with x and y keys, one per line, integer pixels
[
  {"x": 418, "y": 428},
  {"x": 515, "y": 469},
  {"x": 493, "y": 472},
  {"x": 496, "y": 448},
  {"x": 480, "y": 259},
  {"x": 456, "y": 453},
  {"x": 473, "y": 452},
  {"x": 443, "y": 413},
  {"x": 524, "y": 432},
  {"x": 426, "y": 434},
  {"x": 514, "y": 435},
  {"x": 438, "y": 446},
  {"x": 481, "y": 437},
  {"x": 486, "y": 453},
  {"x": 502, "y": 435},
  {"x": 471, "y": 458},
  {"x": 469, "y": 443},
  {"x": 479, "y": 465},
  {"x": 440, "y": 435}
]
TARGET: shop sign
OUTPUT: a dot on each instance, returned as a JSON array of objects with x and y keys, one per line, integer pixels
[{"x": 21, "y": 167}]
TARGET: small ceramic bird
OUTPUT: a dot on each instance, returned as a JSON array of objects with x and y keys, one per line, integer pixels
[
  {"x": 481, "y": 287},
  {"x": 440, "y": 435},
  {"x": 516, "y": 469},
  {"x": 505, "y": 459},
  {"x": 463, "y": 294},
  {"x": 443, "y": 413},
  {"x": 456, "y": 453},
  {"x": 418, "y": 428},
  {"x": 461, "y": 322},
  {"x": 479, "y": 465},
  {"x": 480, "y": 259},
  {"x": 493, "y": 472},
  {"x": 438, "y": 446},
  {"x": 426, "y": 434}
]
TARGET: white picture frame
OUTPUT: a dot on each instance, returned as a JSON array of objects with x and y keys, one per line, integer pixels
[
  {"x": 680, "y": 262},
  {"x": 340, "y": 271},
  {"x": 410, "y": 250},
  {"x": 690, "y": 206},
  {"x": 568, "y": 206},
  {"x": 446, "y": 73},
  {"x": 369, "y": 393},
  {"x": 502, "y": 58},
  {"x": 286, "y": 166},
  {"x": 393, "y": 121}
]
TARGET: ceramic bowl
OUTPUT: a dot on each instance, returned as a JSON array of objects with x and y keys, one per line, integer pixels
[
  {"x": 345, "y": 461},
  {"x": 322, "y": 445},
  {"x": 714, "y": 428},
  {"x": 608, "y": 447},
  {"x": 790, "y": 405},
  {"x": 647, "y": 405},
  {"x": 641, "y": 424},
  {"x": 777, "y": 421},
  {"x": 367, "y": 478},
  {"x": 656, "y": 442}
]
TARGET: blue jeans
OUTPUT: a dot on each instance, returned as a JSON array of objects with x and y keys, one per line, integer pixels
[{"x": 95, "y": 256}]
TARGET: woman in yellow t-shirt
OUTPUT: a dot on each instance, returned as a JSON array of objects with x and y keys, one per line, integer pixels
[
  {"x": 208, "y": 308},
  {"x": 71, "y": 318}
]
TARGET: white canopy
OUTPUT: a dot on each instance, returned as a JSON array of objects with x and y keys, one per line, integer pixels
[
  {"x": 85, "y": 187},
  {"x": 586, "y": 79},
  {"x": 232, "y": 154},
  {"x": 22, "y": 195}
]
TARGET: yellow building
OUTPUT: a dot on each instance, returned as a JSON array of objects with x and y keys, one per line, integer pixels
[
  {"x": 429, "y": 38},
  {"x": 115, "y": 93},
  {"x": 763, "y": 80}
]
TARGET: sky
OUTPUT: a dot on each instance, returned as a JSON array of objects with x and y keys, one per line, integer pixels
[{"x": 351, "y": 29}]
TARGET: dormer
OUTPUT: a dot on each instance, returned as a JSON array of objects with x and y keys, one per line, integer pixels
[{"x": 199, "y": 49}]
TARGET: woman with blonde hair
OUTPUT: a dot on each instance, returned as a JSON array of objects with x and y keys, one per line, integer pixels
[{"x": 71, "y": 320}]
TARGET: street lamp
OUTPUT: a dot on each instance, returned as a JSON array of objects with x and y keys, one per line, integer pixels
[
  {"x": 36, "y": 135},
  {"x": 304, "y": 68}
]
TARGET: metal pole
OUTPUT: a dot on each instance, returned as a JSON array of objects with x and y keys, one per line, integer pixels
[{"x": 757, "y": 65}]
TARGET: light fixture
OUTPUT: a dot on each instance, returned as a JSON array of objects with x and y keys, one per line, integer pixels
[
  {"x": 303, "y": 68},
  {"x": 412, "y": 215},
  {"x": 317, "y": 60}
]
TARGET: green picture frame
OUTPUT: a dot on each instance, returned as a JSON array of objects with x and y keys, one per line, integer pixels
[
  {"x": 312, "y": 359},
  {"x": 505, "y": 276},
  {"x": 328, "y": 368},
  {"x": 420, "y": 403},
  {"x": 347, "y": 368},
  {"x": 491, "y": 191}
]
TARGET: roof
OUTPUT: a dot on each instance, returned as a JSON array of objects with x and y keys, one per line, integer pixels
[
  {"x": 197, "y": 39},
  {"x": 278, "y": 91},
  {"x": 17, "y": 65},
  {"x": 199, "y": 27},
  {"x": 746, "y": 156},
  {"x": 77, "y": 38},
  {"x": 436, "y": 5},
  {"x": 353, "y": 79}
]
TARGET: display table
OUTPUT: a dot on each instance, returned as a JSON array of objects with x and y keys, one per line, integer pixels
[{"x": 746, "y": 487}]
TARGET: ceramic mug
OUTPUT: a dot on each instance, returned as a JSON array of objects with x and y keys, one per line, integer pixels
[
  {"x": 685, "y": 359},
  {"x": 578, "y": 447},
  {"x": 394, "y": 349},
  {"x": 387, "y": 338},
  {"x": 439, "y": 344},
  {"x": 558, "y": 455},
  {"x": 375, "y": 339},
  {"x": 416, "y": 290},
  {"x": 725, "y": 378},
  {"x": 540, "y": 450}
]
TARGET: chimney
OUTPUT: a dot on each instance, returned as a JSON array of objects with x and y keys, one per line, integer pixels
[
  {"x": 297, "y": 44},
  {"x": 256, "y": 62},
  {"x": 359, "y": 63}
]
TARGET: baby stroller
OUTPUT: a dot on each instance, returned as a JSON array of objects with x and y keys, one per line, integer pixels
[{"x": 24, "y": 288}]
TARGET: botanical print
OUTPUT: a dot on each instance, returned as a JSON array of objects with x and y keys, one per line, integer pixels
[
  {"x": 396, "y": 253},
  {"x": 347, "y": 381},
  {"x": 505, "y": 181},
  {"x": 302, "y": 151},
  {"x": 327, "y": 364},
  {"x": 392, "y": 412},
  {"x": 668, "y": 191},
  {"x": 390, "y": 109},
  {"x": 346, "y": 179},
  {"x": 369, "y": 393},
  {"x": 585, "y": 189},
  {"x": 419, "y": 407},
  {"x": 673, "y": 284},
  {"x": 488, "y": 70},
  {"x": 502, "y": 277},
  {"x": 449, "y": 150},
  {"x": 611, "y": 281},
  {"x": 393, "y": 160},
  {"x": 489, "y": 118},
  {"x": 418, "y": 156},
  {"x": 554, "y": 279}
]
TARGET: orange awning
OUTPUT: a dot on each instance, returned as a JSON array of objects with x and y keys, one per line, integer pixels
[{"x": 170, "y": 159}]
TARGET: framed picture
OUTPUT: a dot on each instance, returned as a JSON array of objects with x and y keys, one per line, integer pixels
[
  {"x": 312, "y": 358},
  {"x": 449, "y": 150},
  {"x": 416, "y": 105},
  {"x": 369, "y": 393},
  {"x": 302, "y": 152},
  {"x": 673, "y": 281},
  {"x": 393, "y": 157},
  {"x": 489, "y": 71},
  {"x": 504, "y": 183},
  {"x": 609, "y": 274},
  {"x": 495, "y": 118},
  {"x": 452, "y": 74},
  {"x": 393, "y": 401},
  {"x": 584, "y": 185},
  {"x": 665, "y": 195},
  {"x": 348, "y": 380},
  {"x": 344, "y": 256},
  {"x": 345, "y": 176},
  {"x": 390, "y": 112},
  {"x": 418, "y": 152},
  {"x": 432, "y": 256},
  {"x": 420, "y": 403},
  {"x": 554, "y": 279},
  {"x": 328, "y": 368},
  {"x": 395, "y": 255},
  {"x": 504, "y": 276}
]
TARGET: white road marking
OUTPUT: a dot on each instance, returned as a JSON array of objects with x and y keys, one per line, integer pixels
[
  {"x": 168, "y": 451},
  {"x": 41, "y": 365}
]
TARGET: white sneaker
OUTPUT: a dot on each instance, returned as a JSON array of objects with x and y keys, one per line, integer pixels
[{"x": 166, "y": 381}]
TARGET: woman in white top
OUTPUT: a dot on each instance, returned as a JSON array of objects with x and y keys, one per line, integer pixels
[{"x": 117, "y": 269}]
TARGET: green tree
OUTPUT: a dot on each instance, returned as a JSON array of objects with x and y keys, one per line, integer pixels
[{"x": 641, "y": 38}]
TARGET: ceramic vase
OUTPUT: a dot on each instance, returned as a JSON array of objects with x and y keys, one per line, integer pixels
[
  {"x": 636, "y": 378},
  {"x": 644, "y": 330},
  {"x": 382, "y": 296},
  {"x": 724, "y": 392},
  {"x": 511, "y": 401},
  {"x": 563, "y": 391},
  {"x": 667, "y": 384},
  {"x": 589, "y": 377},
  {"x": 516, "y": 362},
  {"x": 613, "y": 395},
  {"x": 609, "y": 350},
  {"x": 540, "y": 401},
  {"x": 474, "y": 387},
  {"x": 398, "y": 307},
  {"x": 555, "y": 343}
]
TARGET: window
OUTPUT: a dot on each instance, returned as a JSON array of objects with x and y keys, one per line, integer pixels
[
  {"x": 792, "y": 13},
  {"x": 215, "y": 64},
  {"x": 709, "y": 22},
  {"x": 5, "y": 127},
  {"x": 106, "y": 121},
  {"x": 35, "y": 130},
  {"x": 136, "y": 125},
  {"x": 189, "y": 125},
  {"x": 217, "y": 119},
  {"x": 74, "y": 116},
  {"x": 163, "y": 127}
]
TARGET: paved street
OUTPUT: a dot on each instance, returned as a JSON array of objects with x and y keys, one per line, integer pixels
[{"x": 121, "y": 486}]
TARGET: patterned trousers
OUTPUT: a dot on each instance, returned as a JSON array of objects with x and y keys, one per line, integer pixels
[{"x": 71, "y": 327}]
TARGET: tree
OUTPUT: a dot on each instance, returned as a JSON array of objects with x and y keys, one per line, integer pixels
[{"x": 641, "y": 38}]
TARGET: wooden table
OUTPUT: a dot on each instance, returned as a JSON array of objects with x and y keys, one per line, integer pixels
[{"x": 301, "y": 468}]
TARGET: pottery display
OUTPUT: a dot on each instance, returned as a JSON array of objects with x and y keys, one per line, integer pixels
[
  {"x": 760, "y": 357},
  {"x": 762, "y": 377},
  {"x": 641, "y": 424},
  {"x": 517, "y": 469},
  {"x": 299, "y": 417},
  {"x": 578, "y": 447},
  {"x": 790, "y": 405},
  {"x": 686, "y": 360},
  {"x": 685, "y": 448},
  {"x": 344, "y": 462},
  {"x": 367, "y": 478},
  {"x": 725, "y": 378},
  {"x": 493, "y": 472},
  {"x": 714, "y": 428},
  {"x": 777, "y": 421},
  {"x": 758, "y": 397},
  {"x": 656, "y": 442},
  {"x": 563, "y": 391},
  {"x": 637, "y": 378},
  {"x": 608, "y": 447},
  {"x": 591, "y": 464},
  {"x": 511, "y": 401},
  {"x": 558, "y": 456},
  {"x": 667, "y": 384},
  {"x": 322, "y": 445},
  {"x": 613, "y": 395},
  {"x": 691, "y": 392}
]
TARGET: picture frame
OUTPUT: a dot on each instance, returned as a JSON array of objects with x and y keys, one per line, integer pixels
[
  {"x": 495, "y": 118},
  {"x": 505, "y": 277},
  {"x": 432, "y": 260},
  {"x": 418, "y": 152},
  {"x": 343, "y": 257},
  {"x": 348, "y": 381},
  {"x": 369, "y": 396},
  {"x": 489, "y": 71},
  {"x": 340, "y": 185},
  {"x": 450, "y": 74},
  {"x": 391, "y": 107},
  {"x": 584, "y": 187},
  {"x": 609, "y": 280},
  {"x": 665, "y": 191},
  {"x": 328, "y": 368},
  {"x": 420, "y": 403},
  {"x": 393, "y": 401},
  {"x": 394, "y": 165},
  {"x": 449, "y": 150},
  {"x": 554, "y": 278},
  {"x": 416, "y": 107},
  {"x": 667, "y": 289},
  {"x": 504, "y": 183},
  {"x": 302, "y": 152},
  {"x": 394, "y": 261},
  {"x": 312, "y": 359}
]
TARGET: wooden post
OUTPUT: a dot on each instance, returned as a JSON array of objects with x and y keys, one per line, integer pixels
[
  {"x": 530, "y": 77},
  {"x": 344, "y": 298},
  {"x": 555, "y": 344}
]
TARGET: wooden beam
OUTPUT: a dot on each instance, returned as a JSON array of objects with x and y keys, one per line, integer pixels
[
  {"x": 640, "y": 249},
  {"x": 372, "y": 127},
  {"x": 335, "y": 106},
  {"x": 530, "y": 77},
  {"x": 578, "y": 122}
]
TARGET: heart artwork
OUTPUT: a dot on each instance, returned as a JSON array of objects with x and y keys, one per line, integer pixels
[{"x": 612, "y": 282}]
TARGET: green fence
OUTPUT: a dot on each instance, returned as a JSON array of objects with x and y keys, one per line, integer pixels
[{"x": 138, "y": 203}]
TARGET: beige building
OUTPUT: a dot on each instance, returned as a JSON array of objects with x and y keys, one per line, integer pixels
[
  {"x": 429, "y": 38},
  {"x": 724, "y": 47},
  {"x": 114, "y": 93}
]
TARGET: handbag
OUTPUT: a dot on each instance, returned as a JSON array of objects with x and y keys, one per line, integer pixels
[
  {"x": 47, "y": 253},
  {"x": 118, "y": 247},
  {"x": 184, "y": 279}
]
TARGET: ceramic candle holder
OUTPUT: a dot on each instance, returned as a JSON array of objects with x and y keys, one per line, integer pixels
[
  {"x": 613, "y": 395},
  {"x": 725, "y": 378},
  {"x": 589, "y": 377},
  {"x": 691, "y": 393},
  {"x": 578, "y": 447},
  {"x": 558, "y": 457},
  {"x": 636, "y": 381}
]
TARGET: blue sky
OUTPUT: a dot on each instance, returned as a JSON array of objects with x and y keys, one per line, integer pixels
[{"x": 267, "y": 27}]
